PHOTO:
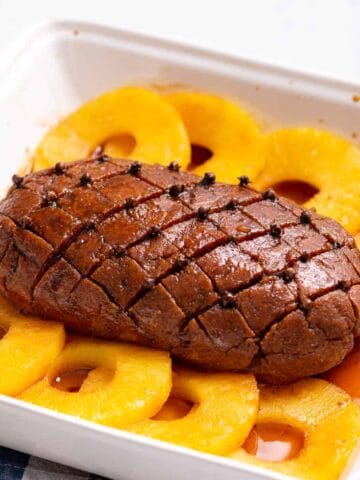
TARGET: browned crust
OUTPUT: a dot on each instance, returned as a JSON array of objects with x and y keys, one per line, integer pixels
[{"x": 220, "y": 275}]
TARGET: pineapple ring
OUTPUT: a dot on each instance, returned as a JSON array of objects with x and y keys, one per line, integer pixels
[
  {"x": 140, "y": 384},
  {"x": 222, "y": 127},
  {"x": 346, "y": 374},
  {"x": 329, "y": 419},
  {"x": 157, "y": 128},
  {"x": 173, "y": 407},
  {"x": 323, "y": 160},
  {"x": 27, "y": 348},
  {"x": 224, "y": 412}
]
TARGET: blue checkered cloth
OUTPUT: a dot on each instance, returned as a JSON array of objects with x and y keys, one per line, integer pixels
[{"x": 19, "y": 466}]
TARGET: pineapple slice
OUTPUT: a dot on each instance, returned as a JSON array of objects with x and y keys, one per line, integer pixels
[
  {"x": 224, "y": 411},
  {"x": 120, "y": 116},
  {"x": 172, "y": 409},
  {"x": 229, "y": 132},
  {"x": 347, "y": 374},
  {"x": 27, "y": 348},
  {"x": 329, "y": 419},
  {"x": 140, "y": 383},
  {"x": 321, "y": 159}
]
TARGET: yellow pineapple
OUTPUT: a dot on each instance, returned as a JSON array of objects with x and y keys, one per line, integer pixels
[
  {"x": 347, "y": 374},
  {"x": 224, "y": 411},
  {"x": 173, "y": 407},
  {"x": 132, "y": 385},
  {"x": 229, "y": 132},
  {"x": 322, "y": 160},
  {"x": 328, "y": 418},
  {"x": 27, "y": 348},
  {"x": 118, "y": 117}
]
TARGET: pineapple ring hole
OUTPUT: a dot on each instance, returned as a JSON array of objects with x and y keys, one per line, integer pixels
[
  {"x": 274, "y": 442},
  {"x": 121, "y": 145},
  {"x": 71, "y": 380},
  {"x": 199, "y": 155},
  {"x": 295, "y": 190},
  {"x": 173, "y": 409}
]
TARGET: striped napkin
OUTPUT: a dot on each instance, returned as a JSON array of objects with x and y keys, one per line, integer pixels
[{"x": 19, "y": 466}]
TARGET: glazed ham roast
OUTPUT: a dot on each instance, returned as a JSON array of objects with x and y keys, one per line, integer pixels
[{"x": 221, "y": 276}]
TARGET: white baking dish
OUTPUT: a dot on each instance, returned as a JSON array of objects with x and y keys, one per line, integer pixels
[{"x": 53, "y": 70}]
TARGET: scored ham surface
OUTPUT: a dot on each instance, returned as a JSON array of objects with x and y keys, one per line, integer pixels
[{"x": 221, "y": 276}]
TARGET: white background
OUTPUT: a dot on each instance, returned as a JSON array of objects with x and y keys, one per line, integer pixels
[{"x": 321, "y": 36}]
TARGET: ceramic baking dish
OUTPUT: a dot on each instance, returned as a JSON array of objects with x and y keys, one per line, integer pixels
[{"x": 54, "y": 69}]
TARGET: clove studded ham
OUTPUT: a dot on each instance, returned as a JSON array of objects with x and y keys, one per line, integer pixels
[{"x": 221, "y": 276}]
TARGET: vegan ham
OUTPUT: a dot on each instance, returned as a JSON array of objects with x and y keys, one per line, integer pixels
[{"x": 222, "y": 276}]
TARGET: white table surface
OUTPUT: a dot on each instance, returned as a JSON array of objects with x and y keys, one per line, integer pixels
[{"x": 321, "y": 36}]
